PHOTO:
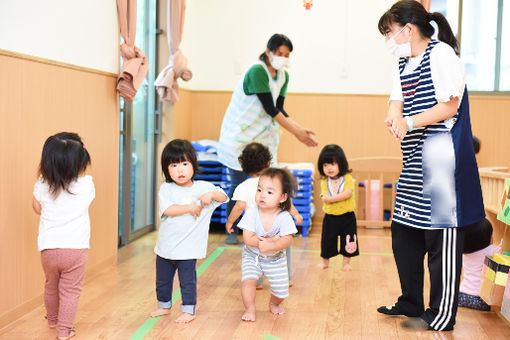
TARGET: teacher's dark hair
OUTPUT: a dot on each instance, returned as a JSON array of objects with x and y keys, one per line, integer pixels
[
  {"x": 274, "y": 43},
  {"x": 412, "y": 12}
]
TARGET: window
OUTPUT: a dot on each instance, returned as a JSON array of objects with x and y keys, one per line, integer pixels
[
  {"x": 484, "y": 40},
  {"x": 504, "y": 76},
  {"x": 483, "y": 49}
]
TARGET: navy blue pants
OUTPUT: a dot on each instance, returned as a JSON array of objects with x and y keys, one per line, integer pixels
[
  {"x": 236, "y": 178},
  {"x": 165, "y": 271}
]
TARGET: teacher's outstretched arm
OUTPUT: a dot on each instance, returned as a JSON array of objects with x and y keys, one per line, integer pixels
[{"x": 304, "y": 135}]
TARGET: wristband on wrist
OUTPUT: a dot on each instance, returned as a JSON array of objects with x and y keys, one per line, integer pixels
[{"x": 410, "y": 124}]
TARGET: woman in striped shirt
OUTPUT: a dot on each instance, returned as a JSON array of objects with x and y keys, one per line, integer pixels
[{"x": 438, "y": 192}]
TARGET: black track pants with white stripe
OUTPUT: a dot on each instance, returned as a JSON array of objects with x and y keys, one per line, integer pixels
[{"x": 444, "y": 249}]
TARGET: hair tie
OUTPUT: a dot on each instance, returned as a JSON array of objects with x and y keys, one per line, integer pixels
[{"x": 430, "y": 16}]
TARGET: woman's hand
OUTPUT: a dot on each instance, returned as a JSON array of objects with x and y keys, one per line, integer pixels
[
  {"x": 306, "y": 136},
  {"x": 399, "y": 128},
  {"x": 389, "y": 122}
]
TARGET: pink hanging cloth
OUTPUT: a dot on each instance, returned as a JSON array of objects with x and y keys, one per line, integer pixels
[
  {"x": 166, "y": 82},
  {"x": 134, "y": 62}
]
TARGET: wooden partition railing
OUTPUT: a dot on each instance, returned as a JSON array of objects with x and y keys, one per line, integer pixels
[
  {"x": 384, "y": 169},
  {"x": 492, "y": 180}
]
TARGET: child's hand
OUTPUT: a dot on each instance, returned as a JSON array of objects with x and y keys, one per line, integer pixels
[
  {"x": 229, "y": 227},
  {"x": 326, "y": 198},
  {"x": 272, "y": 238},
  {"x": 194, "y": 209},
  {"x": 299, "y": 219},
  {"x": 206, "y": 199},
  {"x": 264, "y": 244}
]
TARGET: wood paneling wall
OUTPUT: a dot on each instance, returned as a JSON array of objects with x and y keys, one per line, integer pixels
[
  {"x": 490, "y": 120},
  {"x": 355, "y": 122},
  {"x": 40, "y": 98}
]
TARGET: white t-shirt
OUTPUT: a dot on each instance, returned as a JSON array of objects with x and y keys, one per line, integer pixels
[
  {"x": 447, "y": 72},
  {"x": 283, "y": 225},
  {"x": 246, "y": 192},
  {"x": 184, "y": 237},
  {"x": 65, "y": 221}
]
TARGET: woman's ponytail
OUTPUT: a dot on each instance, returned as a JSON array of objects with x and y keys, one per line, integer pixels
[
  {"x": 404, "y": 12},
  {"x": 445, "y": 33}
]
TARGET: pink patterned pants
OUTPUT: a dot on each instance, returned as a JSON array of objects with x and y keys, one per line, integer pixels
[{"x": 64, "y": 270}]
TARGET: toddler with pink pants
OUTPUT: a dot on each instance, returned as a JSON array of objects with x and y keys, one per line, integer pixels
[{"x": 62, "y": 196}]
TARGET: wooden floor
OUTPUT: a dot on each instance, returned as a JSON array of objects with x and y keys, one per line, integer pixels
[{"x": 323, "y": 304}]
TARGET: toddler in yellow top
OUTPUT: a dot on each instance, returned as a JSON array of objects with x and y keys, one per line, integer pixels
[{"x": 337, "y": 187}]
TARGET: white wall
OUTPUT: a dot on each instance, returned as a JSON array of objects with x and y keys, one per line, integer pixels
[
  {"x": 337, "y": 47},
  {"x": 78, "y": 32}
]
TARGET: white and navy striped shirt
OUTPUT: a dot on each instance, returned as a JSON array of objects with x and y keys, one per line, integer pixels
[{"x": 412, "y": 207}]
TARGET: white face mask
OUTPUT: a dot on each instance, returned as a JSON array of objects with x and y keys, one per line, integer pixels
[
  {"x": 278, "y": 62},
  {"x": 399, "y": 50}
]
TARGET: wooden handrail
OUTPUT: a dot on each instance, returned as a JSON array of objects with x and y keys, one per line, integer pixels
[{"x": 494, "y": 172}]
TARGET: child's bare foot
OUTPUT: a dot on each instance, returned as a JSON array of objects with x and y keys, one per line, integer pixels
[
  {"x": 346, "y": 266},
  {"x": 259, "y": 287},
  {"x": 71, "y": 334},
  {"x": 249, "y": 315},
  {"x": 185, "y": 318},
  {"x": 276, "y": 309},
  {"x": 324, "y": 264},
  {"x": 159, "y": 312},
  {"x": 291, "y": 283}
]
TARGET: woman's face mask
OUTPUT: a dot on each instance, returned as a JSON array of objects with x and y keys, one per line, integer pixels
[
  {"x": 278, "y": 62},
  {"x": 399, "y": 50}
]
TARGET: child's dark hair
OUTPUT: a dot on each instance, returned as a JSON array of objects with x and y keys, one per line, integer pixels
[
  {"x": 333, "y": 153},
  {"x": 412, "y": 12},
  {"x": 255, "y": 158},
  {"x": 274, "y": 43},
  {"x": 476, "y": 144},
  {"x": 63, "y": 159},
  {"x": 176, "y": 151},
  {"x": 288, "y": 184},
  {"x": 477, "y": 236}
]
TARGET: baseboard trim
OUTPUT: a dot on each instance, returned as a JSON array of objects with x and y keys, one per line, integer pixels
[{"x": 14, "y": 314}]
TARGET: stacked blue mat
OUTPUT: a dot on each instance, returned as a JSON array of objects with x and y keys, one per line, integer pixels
[
  {"x": 303, "y": 197},
  {"x": 214, "y": 172},
  {"x": 217, "y": 174}
]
